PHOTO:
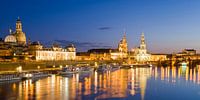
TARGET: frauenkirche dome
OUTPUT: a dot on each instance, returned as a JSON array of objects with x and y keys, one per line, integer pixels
[
  {"x": 10, "y": 39},
  {"x": 18, "y": 36}
]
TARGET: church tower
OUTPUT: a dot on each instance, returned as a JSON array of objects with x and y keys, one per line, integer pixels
[
  {"x": 123, "y": 46},
  {"x": 140, "y": 54},
  {"x": 19, "y": 34},
  {"x": 18, "y": 25},
  {"x": 143, "y": 44}
]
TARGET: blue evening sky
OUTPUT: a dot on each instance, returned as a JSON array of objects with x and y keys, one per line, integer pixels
[{"x": 169, "y": 25}]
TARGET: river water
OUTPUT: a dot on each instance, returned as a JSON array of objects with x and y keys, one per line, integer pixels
[{"x": 155, "y": 83}]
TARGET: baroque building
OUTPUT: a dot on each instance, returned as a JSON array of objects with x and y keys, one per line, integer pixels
[
  {"x": 14, "y": 48},
  {"x": 122, "y": 51},
  {"x": 140, "y": 53},
  {"x": 18, "y": 36},
  {"x": 55, "y": 53},
  {"x": 123, "y": 46},
  {"x": 119, "y": 53}
]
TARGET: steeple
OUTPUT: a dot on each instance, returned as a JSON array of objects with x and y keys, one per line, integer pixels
[
  {"x": 10, "y": 30},
  {"x": 122, "y": 46},
  {"x": 18, "y": 25},
  {"x": 142, "y": 40},
  {"x": 29, "y": 41},
  {"x": 124, "y": 37},
  {"x": 20, "y": 35}
]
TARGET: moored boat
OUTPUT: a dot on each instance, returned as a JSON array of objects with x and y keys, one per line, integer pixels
[
  {"x": 10, "y": 77},
  {"x": 103, "y": 68},
  {"x": 33, "y": 75},
  {"x": 69, "y": 70},
  {"x": 136, "y": 65}
]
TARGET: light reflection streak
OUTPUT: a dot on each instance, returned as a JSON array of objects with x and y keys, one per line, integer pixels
[
  {"x": 156, "y": 73},
  {"x": 194, "y": 75},
  {"x": 198, "y": 81},
  {"x": 95, "y": 82},
  {"x": 66, "y": 88},
  {"x": 188, "y": 74},
  {"x": 111, "y": 84}
]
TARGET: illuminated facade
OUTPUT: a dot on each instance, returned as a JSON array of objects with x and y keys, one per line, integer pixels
[
  {"x": 140, "y": 54},
  {"x": 123, "y": 46},
  {"x": 14, "y": 47},
  {"x": 106, "y": 53},
  {"x": 55, "y": 53},
  {"x": 158, "y": 57},
  {"x": 18, "y": 36},
  {"x": 10, "y": 38},
  {"x": 118, "y": 55},
  {"x": 122, "y": 49},
  {"x": 100, "y": 54}
]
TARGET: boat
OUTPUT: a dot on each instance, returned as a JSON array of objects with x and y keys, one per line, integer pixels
[
  {"x": 114, "y": 67},
  {"x": 103, "y": 68},
  {"x": 69, "y": 70},
  {"x": 10, "y": 77},
  {"x": 40, "y": 74},
  {"x": 34, "y": 75},
  {"x": 86, "y": 69},
  {"x": 136, "y": 65},
  {"x": 27, "y": 76},
  {"x": 141, "y": 65}
]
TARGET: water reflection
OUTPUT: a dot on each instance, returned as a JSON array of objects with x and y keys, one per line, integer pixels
[
  {"x": 174, "y": 73},
  {"x": 123, "y": 83}
]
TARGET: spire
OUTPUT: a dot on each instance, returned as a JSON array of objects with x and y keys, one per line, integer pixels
[
  {"x": 29, "y": 41},
  {"x": 142, "y": 38},
  {"x": 18, "y": 19},
  {"x": 124, "y": 36},
  {"x": 142, "y": 44},
  {"x": 18, "y": 25},
  {"x": 142, "y": 33},
  {"x": 10, "y": 30},
  {"x": 122, "y": 46},
  {"x": 124, "y": 33}
]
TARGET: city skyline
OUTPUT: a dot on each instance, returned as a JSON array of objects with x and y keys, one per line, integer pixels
[{"x": 171, "y": 28}]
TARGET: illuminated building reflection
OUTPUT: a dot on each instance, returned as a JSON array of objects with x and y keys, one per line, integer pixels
[
  {"x": 181, "y": 72},
  {"x": 111, "y": 84}
]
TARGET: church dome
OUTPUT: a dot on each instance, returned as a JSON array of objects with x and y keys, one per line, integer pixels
[
  {"x": 10, "y": 38},
  {"x": 21, "y": 37}
]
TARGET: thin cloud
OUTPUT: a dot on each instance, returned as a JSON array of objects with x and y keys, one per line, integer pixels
[
  {"x": 81, "y": 46},
  {"x": 104, "y": 28}
]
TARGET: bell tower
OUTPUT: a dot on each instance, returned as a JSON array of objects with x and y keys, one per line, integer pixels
[
  {"x": 142, "y": 42},
  {"x": 18, "y": 25},
  {"x": 123, "y": 46},
  {"x": 19, "y": 34}
]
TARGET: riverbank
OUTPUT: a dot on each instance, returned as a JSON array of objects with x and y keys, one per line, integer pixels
[{"x": 42, "y": 65}]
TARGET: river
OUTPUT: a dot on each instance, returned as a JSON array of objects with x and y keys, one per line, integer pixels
[{"x": 155, "y": 83}]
